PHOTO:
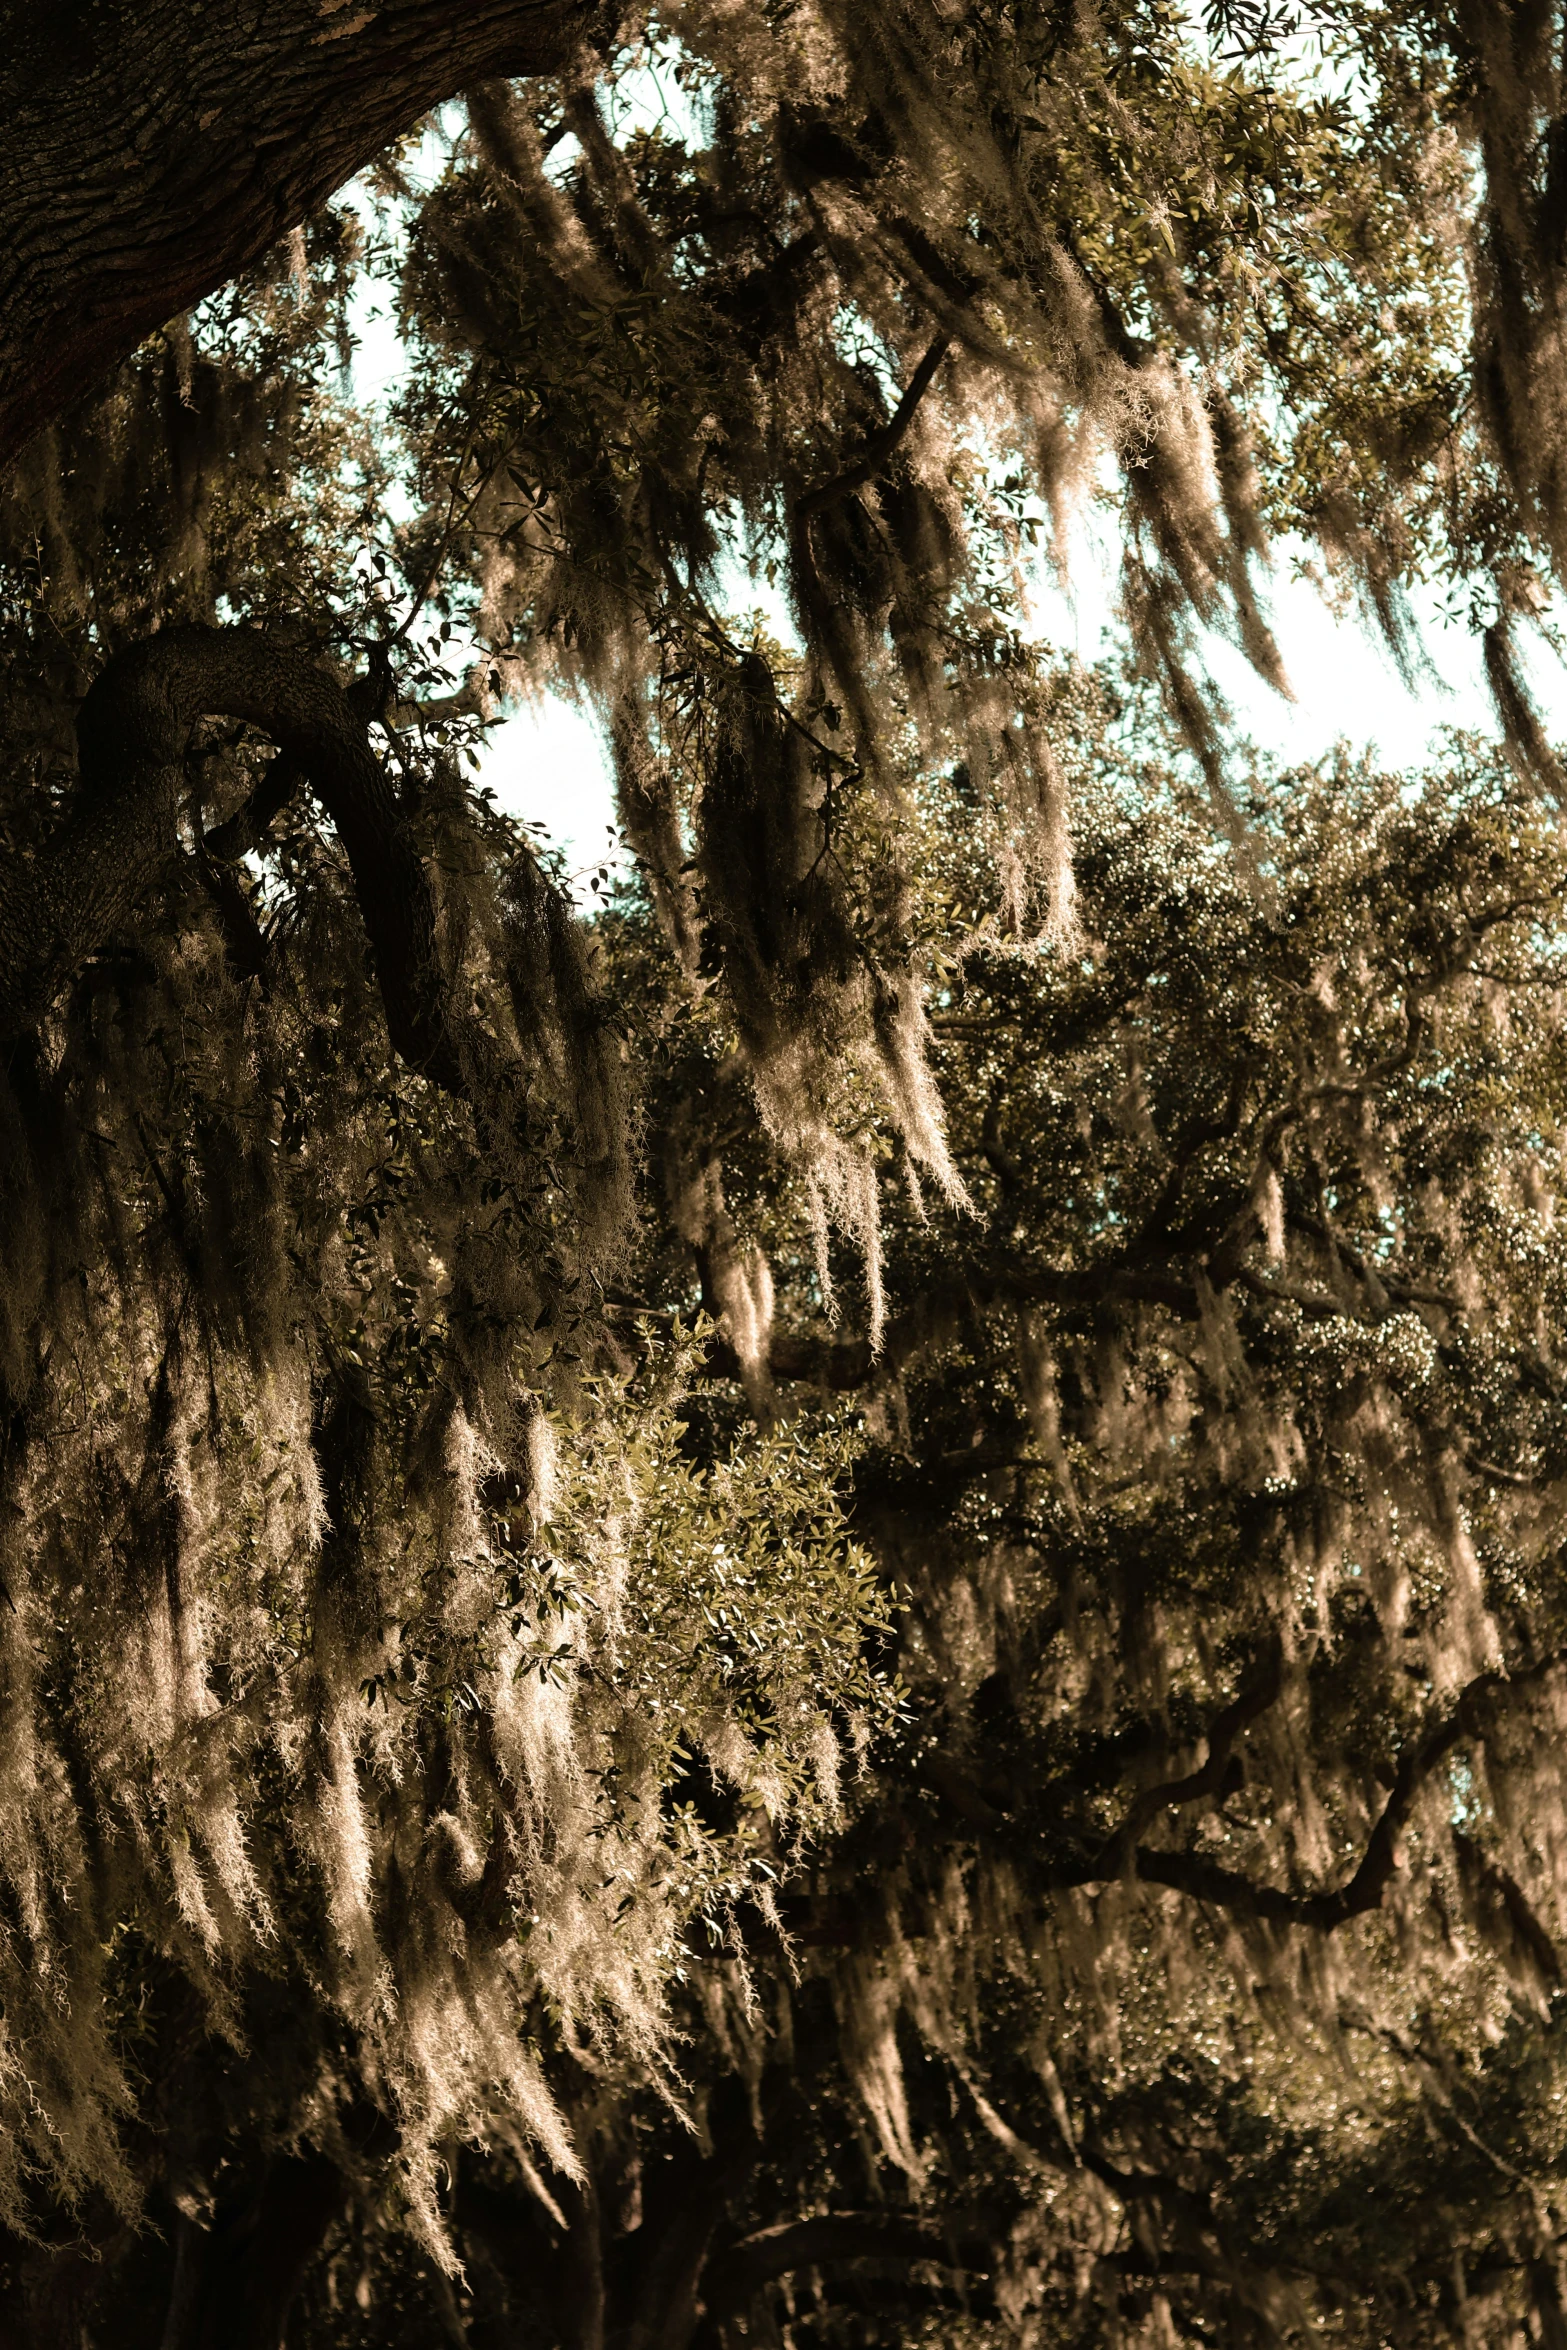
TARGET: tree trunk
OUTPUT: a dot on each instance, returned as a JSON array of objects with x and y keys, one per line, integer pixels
[
  {"x": 235, "y": 2283},
  {"x": 154, "y": 148}
]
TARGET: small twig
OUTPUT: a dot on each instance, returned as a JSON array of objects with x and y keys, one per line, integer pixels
[{"x": 443, "y": 543}]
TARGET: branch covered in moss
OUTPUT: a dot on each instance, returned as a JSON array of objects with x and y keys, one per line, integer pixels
[{"x": 121, "y": 835}]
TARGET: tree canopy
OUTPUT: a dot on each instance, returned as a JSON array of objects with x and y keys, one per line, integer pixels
[{"x": 825, "y": 1607}]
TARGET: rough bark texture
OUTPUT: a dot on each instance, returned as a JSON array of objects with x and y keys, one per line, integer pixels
[{"x": 155, "y": 147}]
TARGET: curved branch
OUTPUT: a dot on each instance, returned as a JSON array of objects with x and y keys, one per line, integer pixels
[
  {"x": 1205, "y": 1880},
  {"x": 847, "y": 1363},
  {"x": 60, "y": 907},
  {"x": 156, "y": 150},
  {"x": 248, "y": 826},
  {"x": 1209, "y": 1777},
  {"x": 740, "y": 2272}
]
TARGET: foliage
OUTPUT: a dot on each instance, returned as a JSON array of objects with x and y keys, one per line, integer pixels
[
  {"x": 1195, "y": 1960},
  {"x": 827, "y": 1610}
]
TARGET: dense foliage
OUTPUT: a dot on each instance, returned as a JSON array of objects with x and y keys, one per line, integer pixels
[{"x": 827, "y": 1609}]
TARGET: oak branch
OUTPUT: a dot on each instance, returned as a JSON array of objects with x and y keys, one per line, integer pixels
[{"x": 154, "y": 148}]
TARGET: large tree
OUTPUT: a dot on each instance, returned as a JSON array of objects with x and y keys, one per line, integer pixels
[
  {"x": 531, "y": 1814},
  {"x": 1191, "y": 1960}
]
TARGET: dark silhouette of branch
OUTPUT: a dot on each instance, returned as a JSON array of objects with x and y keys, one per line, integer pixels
[
  {"x": 672, "y": 2285},
  {"x": 736, "y": 2275},
  {"x": 1206, "y": 1880},
  {"x": 120, "y": 838},
  {"x": 847, "y": 1363},
  {"x": 1208, "y": 1778},
  {"x": 249, "y": 825},
  {"x": 235, "y": 2282},
  {"x": 874, "y": 452},
  {"x": 1201, "y": 1879},
  {"x": 244, "y": 940},
  {"x": 748, "y": 300}
]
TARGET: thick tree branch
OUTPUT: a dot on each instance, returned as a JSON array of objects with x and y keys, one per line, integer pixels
[
  {"x": 235, "y": 2282},
  {"x": 1205, "y": 1880},
  {"x": 847, "y": 1363},
  {"x": 243, "y": 937},
  {"x": 1208, "y": 1778},
  {"x": 248, "y": 826},
  {"x": 1200, "y": 1879},
  {"x": 154, "y": 149},
  {"x": 61, "y": 907},
  {"x": 750, "y": 300},
  {"x": 671, "y": 2289}
]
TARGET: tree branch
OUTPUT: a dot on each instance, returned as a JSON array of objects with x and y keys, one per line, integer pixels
[
  {"x": 738, "y": 2274},
  {"x": 846, "y": 1363},
  {"x": 156, "y": 150},
  {"x": 1208, "y": 1778},
  {"x": 249, "y": 825},
  {"x": 60, "y": 907},
  {"x": 1205, "y": 1880},
  {"x": 873, "y": 454}
]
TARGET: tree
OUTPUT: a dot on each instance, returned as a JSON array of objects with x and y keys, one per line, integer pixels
[
  {"x": 1195, "y": 1959},
  {"x": 437, "y": 1664}
]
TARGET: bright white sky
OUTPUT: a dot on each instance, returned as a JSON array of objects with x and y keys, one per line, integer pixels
[{"x": 548, "y": 765}]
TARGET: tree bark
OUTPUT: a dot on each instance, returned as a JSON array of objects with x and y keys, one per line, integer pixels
[{"x": 154, "y": 148}]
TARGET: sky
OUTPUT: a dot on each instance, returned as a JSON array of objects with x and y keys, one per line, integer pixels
[{"x": 548, "y": 764}]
